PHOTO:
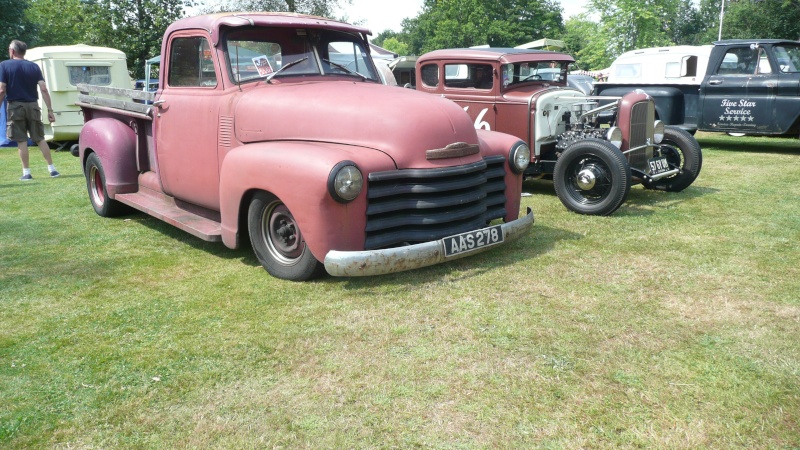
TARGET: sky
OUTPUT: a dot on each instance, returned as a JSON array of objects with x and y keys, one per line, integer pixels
[{"x": 380, "y": 15}]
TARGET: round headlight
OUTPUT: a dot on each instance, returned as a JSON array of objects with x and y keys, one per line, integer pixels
[
  {"x": 345, "y": 182},
  {"x": 519, "y": 157},
  {"x": 614, "y": 136},
  {"x": 658, "y": 131}
]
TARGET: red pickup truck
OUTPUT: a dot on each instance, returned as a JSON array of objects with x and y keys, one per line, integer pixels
[
  {"x": 594, "y": 148},
  {"x": 274, "y": 128}
]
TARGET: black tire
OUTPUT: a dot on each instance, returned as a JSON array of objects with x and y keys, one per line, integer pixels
[
  {"x": 683, "y": 152},
  {"x": 278, "y": 242},
  {"x": 74, "y": 150},
  {"x": 592, "y": 177},
  {"x": 98, "y": 193}
]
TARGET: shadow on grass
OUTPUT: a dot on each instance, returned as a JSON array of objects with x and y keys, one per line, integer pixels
[
  {"x": 638, "y": 201},
  {"x": 781, "y": 145}
]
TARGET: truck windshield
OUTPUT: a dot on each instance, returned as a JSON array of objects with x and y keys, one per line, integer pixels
[
  {"x": 256, "y": 53},
  {"x": 524, "y": 72},
  {"x": 788, "y": 57}
]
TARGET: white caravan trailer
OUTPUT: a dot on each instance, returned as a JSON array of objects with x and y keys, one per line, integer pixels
[{"x": 63, "y": 68}]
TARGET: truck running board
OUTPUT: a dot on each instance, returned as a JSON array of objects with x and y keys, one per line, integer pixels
[{"x": 199, "y": 222}]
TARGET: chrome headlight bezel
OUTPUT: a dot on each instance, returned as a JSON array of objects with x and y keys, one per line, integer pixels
[
  {"x": 519, "y": 157},
  {"x": 614, "y": 136},
  {"x": 658, "y": 131},
  {"x": 345, "y": 182}
]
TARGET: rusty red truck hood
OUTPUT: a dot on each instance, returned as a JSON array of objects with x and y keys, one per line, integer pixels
[{"x": 389, "y": 119}]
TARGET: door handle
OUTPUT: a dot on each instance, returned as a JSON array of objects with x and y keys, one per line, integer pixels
[
  {"x": 714, "y": 82},
  {"x": 159, "y": 103}
]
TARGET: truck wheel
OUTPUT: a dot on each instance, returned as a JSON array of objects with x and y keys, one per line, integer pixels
[
  {"x": 592, "y": 177},
  {"x": 682, "y": 151},
  {"x": 96, "y": 185},
  {"x": 277, "y": 241}
]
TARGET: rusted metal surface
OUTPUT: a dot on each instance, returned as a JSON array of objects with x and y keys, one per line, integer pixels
[{"x": 399, "y": 259}]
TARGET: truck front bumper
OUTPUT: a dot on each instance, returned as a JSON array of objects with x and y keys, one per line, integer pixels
[{"x": 399, "y": 259}]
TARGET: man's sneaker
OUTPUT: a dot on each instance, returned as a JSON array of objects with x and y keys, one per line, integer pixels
[
  {"x": 25, "y": 177},
  {"x": 54, "y": 174}
]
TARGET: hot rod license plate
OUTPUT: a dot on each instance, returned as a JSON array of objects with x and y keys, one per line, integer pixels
[
  {"x": 658, "y": 165},
  {"x": 473, "y": 240}
]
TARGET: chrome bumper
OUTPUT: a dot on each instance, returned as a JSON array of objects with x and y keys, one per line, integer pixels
[{"x": 399, "y": 259}]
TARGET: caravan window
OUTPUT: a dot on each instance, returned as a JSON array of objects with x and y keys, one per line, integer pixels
[
  {"x": 628, "y": 70},
  {"x": 95, "y": 75}
]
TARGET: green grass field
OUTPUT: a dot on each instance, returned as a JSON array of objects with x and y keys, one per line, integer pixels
[{"x": 674, "y": 323}]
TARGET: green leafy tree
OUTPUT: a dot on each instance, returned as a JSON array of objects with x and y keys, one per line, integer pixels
[
  {"x": 747, "y": 19},
  {"x": 466, "y": 23},
  {"x": 582, "y": 42},
  {"x": 14, "y": 23},
  {"x": 61, "y": 22},
  {"x": 631, "y": 24},
  {"x": 394, "y": 45}
]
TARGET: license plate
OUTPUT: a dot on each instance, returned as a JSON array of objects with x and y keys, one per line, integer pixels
[
  {"x": 658, "y": 165},
  {"x": 473, "y": 240}
]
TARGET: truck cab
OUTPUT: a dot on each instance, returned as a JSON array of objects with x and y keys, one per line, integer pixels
[
  {"x": 739, "y": 86},
  {"x": 752, "y": 87}
]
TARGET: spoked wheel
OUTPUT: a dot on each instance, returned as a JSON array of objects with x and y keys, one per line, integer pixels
[
  {"x": 682, "y": 152},
  {"x": 592, "y": 177},
  {"x": 278, "y": 242},
  {"x": 98, "y": 193}
]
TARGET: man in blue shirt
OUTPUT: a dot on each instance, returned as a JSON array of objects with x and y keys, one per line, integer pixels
[{"x": 18, "y": 81}]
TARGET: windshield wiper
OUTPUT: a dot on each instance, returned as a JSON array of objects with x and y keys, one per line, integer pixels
[
  {"x": 285, "y": 66},
  {"x": 351, "y": 72}
]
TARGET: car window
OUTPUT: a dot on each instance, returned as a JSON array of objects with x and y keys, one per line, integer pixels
[
  {"x": 788, "y": 57},
  {"x": 472, "y": 76},
  {"x": 430, "y": 75}
]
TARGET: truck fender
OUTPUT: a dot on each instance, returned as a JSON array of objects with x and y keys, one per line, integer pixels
[
  {"x": 297, "y": 174},
  {"x": 114, "y": 142},
  {"x": 670, "y": 102},
  {"x": 494, "y": 143}
]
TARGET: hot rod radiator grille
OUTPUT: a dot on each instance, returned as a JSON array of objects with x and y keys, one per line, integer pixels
[
  {"x": 642, "y": 118},
  {"x": 418, "y": 205}
]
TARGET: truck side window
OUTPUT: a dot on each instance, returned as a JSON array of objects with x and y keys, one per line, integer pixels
[
  {"x": 739, "y": 61},
  {"x": 430, "y": 75},
  {"x": 788, "y": 57},
  {"x": 191, "y": 63}
]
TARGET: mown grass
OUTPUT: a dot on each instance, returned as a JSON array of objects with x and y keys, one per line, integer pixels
[{"x": 672, "y": 324}]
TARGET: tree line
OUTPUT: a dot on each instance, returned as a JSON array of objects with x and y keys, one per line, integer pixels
[{"x": 595, "y": 37}]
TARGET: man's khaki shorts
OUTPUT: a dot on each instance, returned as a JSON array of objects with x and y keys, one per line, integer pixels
[{"x": 24, "y": 117}]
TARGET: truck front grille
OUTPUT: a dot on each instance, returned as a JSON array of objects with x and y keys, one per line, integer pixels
[
  {"x": 419, "y": 205},
  {"x": 642, "y": 120}
]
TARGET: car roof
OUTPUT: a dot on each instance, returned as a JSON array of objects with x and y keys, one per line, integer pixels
[
  {"x": 755, "y": 41},
  {"x": 505, "y": 55}
]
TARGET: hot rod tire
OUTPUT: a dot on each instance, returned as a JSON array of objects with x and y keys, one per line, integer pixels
[
  {"x": 98, "y": 193},
  {"x": 592, "y": 177},
  {"x": 278, "y": 242},
  {"x": 683, "y": 152}
]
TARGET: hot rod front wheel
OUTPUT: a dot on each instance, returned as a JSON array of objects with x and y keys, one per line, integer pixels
[
  {"x": 278, "y": 242},
  {"x": 592, "y": 177},
  {"x": 682, "y": 152}
]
